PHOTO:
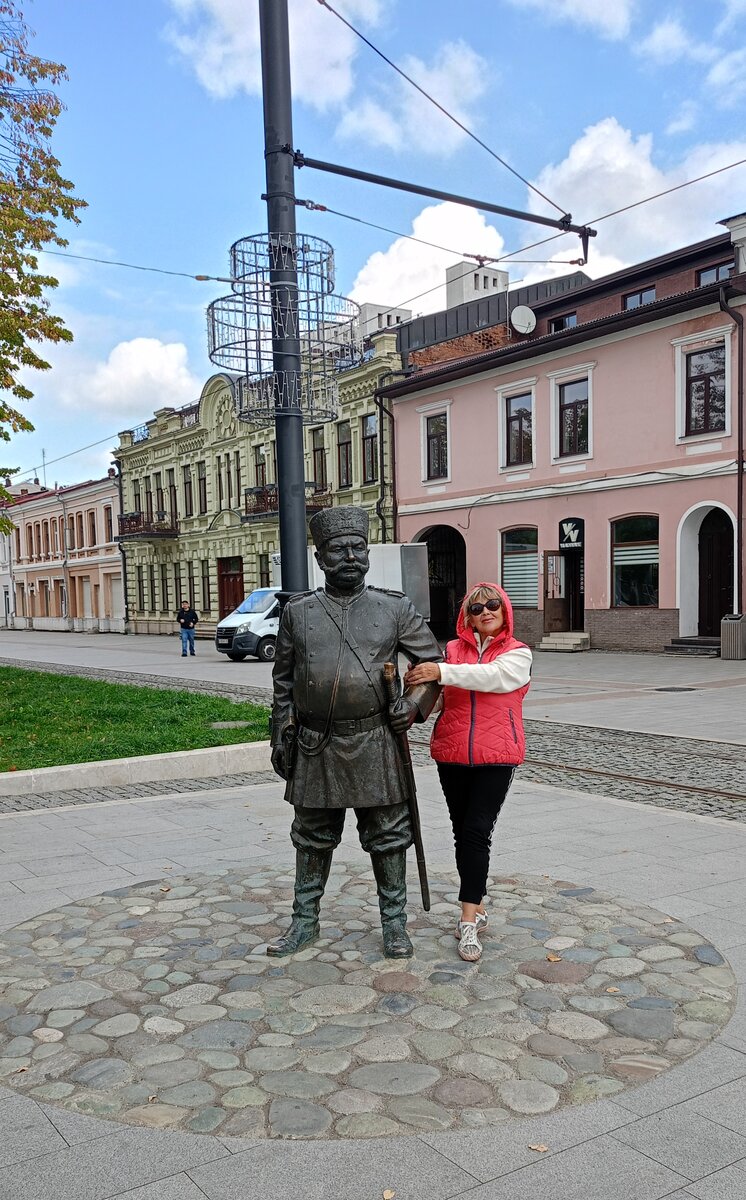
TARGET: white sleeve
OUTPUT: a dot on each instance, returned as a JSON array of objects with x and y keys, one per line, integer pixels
[{"x": 504, "y": 674}]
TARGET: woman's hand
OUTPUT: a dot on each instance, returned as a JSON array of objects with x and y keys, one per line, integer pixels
[{"x": 427, "y": 672}]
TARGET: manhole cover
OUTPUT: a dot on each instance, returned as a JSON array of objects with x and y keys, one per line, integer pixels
[{"x": 676, "y": 689}]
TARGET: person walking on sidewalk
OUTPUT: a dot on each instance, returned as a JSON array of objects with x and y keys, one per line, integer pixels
[
  {"x": 187, "y": 618},
  {"x": 478, "y": 739}
]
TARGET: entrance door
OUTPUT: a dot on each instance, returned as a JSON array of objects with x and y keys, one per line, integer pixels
[
  {"x": 575, "y": 589},
  {"x": 715, "y": 571},
  {"x": 556, "y": 603},
  {"x": 446, "y": 553},
  {"x": 230, "y": 585}
]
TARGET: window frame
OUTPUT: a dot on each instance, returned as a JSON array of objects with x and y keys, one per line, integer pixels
[
  {"x": 202, "y": 486},
  {"x": 690, "y": 343},
  {"x": 716, "y": 267},
  {"x": 613, "y": 522},
  {"x": 627, "y": 307},
  {"x": 186, "y": 479},
  {"x": 344, "y": 451},
  {"x": 369, "y": 448},
  {"x": 556, "y": 380},
  {"x": 569, "y": 321},
  {"x": 503, "y": 393},
  {"x": 517, "y": 553},
  {"x": 689, "y": 381},
  {"x": 318, "y": 458},
  {"x": 435, "y": 409}
]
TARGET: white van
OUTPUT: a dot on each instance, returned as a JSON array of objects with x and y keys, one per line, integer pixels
[{"x": 252, "y": 628}]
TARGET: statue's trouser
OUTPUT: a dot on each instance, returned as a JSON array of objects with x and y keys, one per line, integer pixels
[{"x": 385, "y": 833}]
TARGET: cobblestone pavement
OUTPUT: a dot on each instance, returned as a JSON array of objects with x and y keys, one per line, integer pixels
[
  {"x": 660, "y": 770},
  {"x": 156, "y": 1005}
]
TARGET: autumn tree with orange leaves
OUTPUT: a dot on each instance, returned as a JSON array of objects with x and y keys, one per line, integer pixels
[{"x": 34, "y": 198}]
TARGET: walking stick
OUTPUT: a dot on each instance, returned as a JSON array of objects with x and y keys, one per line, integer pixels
[{"x": 389, "y": 675}]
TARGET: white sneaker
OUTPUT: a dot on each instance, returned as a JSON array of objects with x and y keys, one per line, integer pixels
[
  {"x": 480, "y": 922},
  {"x": 469, "y": 946}
]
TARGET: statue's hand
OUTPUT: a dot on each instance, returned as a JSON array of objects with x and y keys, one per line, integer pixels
[
  {"x": 278, "y": 761},
  {"x": 402, "y": 714}
]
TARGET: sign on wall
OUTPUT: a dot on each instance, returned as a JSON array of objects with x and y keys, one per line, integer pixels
[{"x": 572, "y": 533}]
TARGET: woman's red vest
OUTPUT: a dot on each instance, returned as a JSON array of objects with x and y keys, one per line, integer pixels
[{"x": 480, "y": 728}]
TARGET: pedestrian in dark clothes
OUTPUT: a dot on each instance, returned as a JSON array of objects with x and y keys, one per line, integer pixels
[{"x": 187, "y": 618}]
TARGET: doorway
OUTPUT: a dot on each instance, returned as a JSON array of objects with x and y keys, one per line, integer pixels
[
  {"x": 230, "y": 585},
  {"x": 446, "y": 553},
  {"x": 715, "y": 571},
  {"x": 564, "y": 591}
]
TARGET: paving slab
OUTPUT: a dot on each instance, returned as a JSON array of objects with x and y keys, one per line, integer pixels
[{"x": 688, "y": 1143}]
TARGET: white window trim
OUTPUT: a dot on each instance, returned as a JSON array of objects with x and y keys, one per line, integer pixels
[
  {"x": 556, "y": 378},
  {"x": 519, "y": 388},
  {"x": 682, "y": 346},
  {"x": 435, "y": 409}
]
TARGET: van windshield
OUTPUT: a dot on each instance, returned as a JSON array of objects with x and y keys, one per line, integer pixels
[{"x": 258, "y": 601}]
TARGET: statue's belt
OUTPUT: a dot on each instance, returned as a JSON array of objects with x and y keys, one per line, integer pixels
[{"x": 343, "y": 728}]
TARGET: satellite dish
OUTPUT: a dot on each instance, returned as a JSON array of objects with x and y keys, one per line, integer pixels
[{"x": 523, "y": 319}]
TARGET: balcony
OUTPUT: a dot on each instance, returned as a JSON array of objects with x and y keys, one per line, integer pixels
[
  {"x": 147, "y": 527},
  {"x": 262, "y": 502}
]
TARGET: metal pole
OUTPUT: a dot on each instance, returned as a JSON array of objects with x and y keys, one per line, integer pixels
[{"x": 278, "y": 138}]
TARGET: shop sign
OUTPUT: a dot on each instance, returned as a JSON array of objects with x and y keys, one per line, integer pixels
[{"x": 572, "y": 534}]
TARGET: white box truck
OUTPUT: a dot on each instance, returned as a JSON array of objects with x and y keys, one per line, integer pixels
[{"x": 251, "y": 630}]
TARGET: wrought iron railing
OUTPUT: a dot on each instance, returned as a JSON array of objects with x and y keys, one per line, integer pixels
[
  {"x": 145, "y": 525},
  {"x": 264, "y": 501}
]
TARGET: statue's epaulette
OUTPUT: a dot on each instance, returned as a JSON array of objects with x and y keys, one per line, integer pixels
[
  {"x": 386, "y": 591},
  {"x": 298, "y": 596}
]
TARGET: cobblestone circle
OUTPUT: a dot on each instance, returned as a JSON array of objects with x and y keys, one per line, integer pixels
[{"x": 156, "y": 1005}]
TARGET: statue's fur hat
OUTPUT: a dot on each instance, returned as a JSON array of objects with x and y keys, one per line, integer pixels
[{"x": 336, "y": 522}]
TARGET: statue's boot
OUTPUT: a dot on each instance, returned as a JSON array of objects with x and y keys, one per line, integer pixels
[
  {"x": 311, "y": 873},
  {"x": 390, "y": 871}
]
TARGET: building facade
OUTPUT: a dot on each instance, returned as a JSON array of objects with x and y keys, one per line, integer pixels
[
  {"x": 67, "y": 569},
  {"x": 7, "y": 591},
  {"x": 200, "y": 500},
  {"x": 595, "y": 466}
]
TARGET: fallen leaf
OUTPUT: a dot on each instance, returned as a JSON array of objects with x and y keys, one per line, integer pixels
[
  {"x": 668, "y": 921},
  {"x": 165, "y": 889},
  {"x": 152, "y": 1099},
  {"x": 612, "y": 990},
  {"x": 540, "y": 1148},
  {"x": 20, "y": 1070},
  {"x": 554, "y": 958},
  {"x": 388, "y": 1194}
]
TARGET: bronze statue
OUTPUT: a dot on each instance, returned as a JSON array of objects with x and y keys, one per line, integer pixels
[{"x": 334, "y": 726}]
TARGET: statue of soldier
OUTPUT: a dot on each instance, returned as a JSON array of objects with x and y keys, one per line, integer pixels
[{"x": 333, "y": 727}]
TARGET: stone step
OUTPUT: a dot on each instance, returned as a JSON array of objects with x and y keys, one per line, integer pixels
[{"x": 692, "y": 651}]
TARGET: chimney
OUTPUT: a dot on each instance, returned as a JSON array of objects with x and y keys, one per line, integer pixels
[{"x": 737, "y": 227}]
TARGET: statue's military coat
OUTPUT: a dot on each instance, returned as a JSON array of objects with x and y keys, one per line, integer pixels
[{"x": 355, "y": 769}]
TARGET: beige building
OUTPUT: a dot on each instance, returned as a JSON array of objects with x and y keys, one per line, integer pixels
[
  {"x": 199, "y": 517},
  {"x": 67, "y": 568}
]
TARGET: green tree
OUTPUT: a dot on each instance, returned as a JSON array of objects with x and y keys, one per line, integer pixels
[{"x": 34, "y": 198}]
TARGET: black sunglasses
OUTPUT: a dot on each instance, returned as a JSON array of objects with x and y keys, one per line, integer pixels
[{"x": 491, "y": 606}]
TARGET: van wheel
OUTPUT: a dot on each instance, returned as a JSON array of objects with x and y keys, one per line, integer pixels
[
  {"x": 265, "y": 651},
  {"x": 236, "y": 657}
]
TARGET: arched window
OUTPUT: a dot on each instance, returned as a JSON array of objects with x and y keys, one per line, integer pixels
[
  {"x": 634, "y": 562},
  {"x": 520, "y": 566}
]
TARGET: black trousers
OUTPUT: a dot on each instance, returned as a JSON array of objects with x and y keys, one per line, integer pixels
[
  {"x": 382, "y": 830},
  {"x": 474, "y": 796}
]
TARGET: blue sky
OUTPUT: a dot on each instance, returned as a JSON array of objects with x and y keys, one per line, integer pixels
[{"x": 597, "y": 103}]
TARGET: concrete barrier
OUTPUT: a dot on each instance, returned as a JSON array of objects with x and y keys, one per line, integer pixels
[{"x": 151, "y": 768}]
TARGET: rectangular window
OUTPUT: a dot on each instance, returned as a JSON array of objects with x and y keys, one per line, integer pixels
[
  {"x": 573, "y": 418},
  {"x": 205, "y": 568},
  {"x": 717, "y": 274},
  {"x": 437, "y": 447},
  {"x": 219, "y": 467},
  {"x": 190, "y": 596},
  {"x": 164, "y": 587},
  {"x": 186, "y": 473},
  {"x": 319, "y": 460},
  {"x": 151, "y": 586},
  {"x": 344, "y": 454},
  {"x": 229, "y": 480},
  {"x": 148, "y": 499},
  {"x": 634, "y": 562},
  {"x": 136, "y": 496},
  {"x": 92, "y": 529},
  {"x": 520, "y": 567},
  {"x": 80, "y": 538},
  {"x": 260, "y": 466},
  {"x": 705, "y": 390},
  {"x": 178, "y": 593},
  {"x": 567, "y": 321},
  {"x": 636, "y": 299},
  {"x": 173, "y": 502},
  {"x": 140, "y": 589},
  {"x": 263, "y": 562},
  {"x": 370, "y": 448},
  {"x": 518, "y": 430},
  {"x": 237, "y": 467},
  {"x": 160, "y": 499},
  {"x": 109, "y": 524},
  {"x": 202, "y": 486},
  {"x": 70, "y": 536}
]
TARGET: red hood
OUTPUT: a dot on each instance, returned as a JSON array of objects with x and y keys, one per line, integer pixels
[{"x": 466, "y": 633}]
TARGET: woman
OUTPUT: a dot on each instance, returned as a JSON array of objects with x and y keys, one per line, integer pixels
[{"x": 478, "y": 739}]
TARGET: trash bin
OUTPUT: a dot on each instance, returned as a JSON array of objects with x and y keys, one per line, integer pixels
[{"x": 733, "y": 636}]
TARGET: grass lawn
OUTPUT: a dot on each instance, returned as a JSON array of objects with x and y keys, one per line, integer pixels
[{"x": 51, "y": 720}]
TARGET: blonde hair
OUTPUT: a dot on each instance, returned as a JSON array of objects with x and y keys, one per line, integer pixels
[{"x": 477, "y": 595}]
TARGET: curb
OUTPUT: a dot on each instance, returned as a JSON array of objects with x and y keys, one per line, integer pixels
[{"x": 238, "y": 759}]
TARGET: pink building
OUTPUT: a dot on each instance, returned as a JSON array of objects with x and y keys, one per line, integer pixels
[
  {"x": 590, "y": 465},
  {"x": 67, "y": 569}
]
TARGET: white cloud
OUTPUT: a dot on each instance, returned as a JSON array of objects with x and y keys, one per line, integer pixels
[
  {"x": 668, "y": 42},
  {"x": 403, "y": 119},
  {"x": 607, "y": 168},
  {"x": 685, "y": 118},
  {"x": 727, "y": 78},
  {"x": 220, "y": 41},
  {"x": 138, "y": 377},
  {"x": 406, "y": 269},
  {"x": 735, "y": 10},
  {"x": 609, "y": 18}
]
